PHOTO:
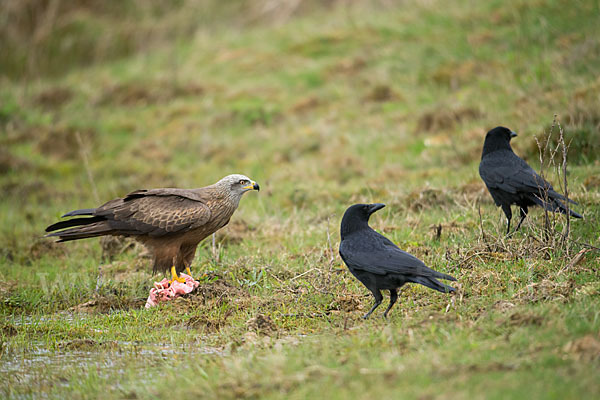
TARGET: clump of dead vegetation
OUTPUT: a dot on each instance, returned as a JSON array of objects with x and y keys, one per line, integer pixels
[
  {"x": 54, "y": 97},
  {"x": 580, "y": 128},
  {"x": 382, "y": 93},
  {"x": 455, "y": 74},
  {"x": 62, "y": 142},
  {"x": 427, "y": 198},
  {"x": 146, "y": 93},
  {"x": 586, "y": 348},
  {"x": 105, "y": 304},
  {"x": 10, "y": 163},
  {"x": 445, "y": 118},
  {"x": 261, "y": 324},
  {"x": 87, "y": 345}
]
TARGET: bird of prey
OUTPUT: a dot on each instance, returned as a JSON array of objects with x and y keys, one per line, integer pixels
[
  {"x": 510, "y": 180},
  {"x": 377, "y": 262},
  {"x": 169, "y": 222}
]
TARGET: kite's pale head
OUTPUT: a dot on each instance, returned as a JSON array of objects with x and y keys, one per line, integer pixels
[{"x": 238, "y": 184}]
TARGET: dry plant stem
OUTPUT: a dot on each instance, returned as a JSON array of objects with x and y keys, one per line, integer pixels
[
  {"x": 483, "y": 237},
  {"x": 90, "y": 176},
  {"x": 214, "y": 247},
  {"x": 331, "y": 254},
  {"x": 576, "y": 260},
  {"x": 543, "y": 195},
  {"x": 327, "y": 275},
  {"x": 566, "y": 188},
  {"x": 98, "y": 281},
  {"x": 548, "y": 157},
  {"x": 86, "y": 165}
]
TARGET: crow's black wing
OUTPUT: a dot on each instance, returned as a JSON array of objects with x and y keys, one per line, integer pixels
[
  {"x": 505, "y": 171},
  {"x": 386, "y": 258}
]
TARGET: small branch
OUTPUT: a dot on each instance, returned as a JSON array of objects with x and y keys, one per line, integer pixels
[{"x": 576, "y": 260}]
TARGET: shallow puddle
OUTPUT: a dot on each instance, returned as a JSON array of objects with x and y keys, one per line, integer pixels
[{"x": 43, "y": 364}]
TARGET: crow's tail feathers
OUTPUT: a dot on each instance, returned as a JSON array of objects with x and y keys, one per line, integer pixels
[
  {"x": 573, "y": 214},
  {"x": 556, "y": 204},
  {"x": 441, "y": 275},
  {"x": 433, "y": 283}
]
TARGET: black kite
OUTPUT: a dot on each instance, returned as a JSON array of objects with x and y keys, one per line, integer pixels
[{"x": 169, "y": 222}]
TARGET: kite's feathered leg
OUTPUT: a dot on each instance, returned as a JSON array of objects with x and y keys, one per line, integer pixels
[{"x": 174, "y": 276}]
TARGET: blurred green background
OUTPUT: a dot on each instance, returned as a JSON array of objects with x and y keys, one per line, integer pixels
[{"x": 325, "y": 104}]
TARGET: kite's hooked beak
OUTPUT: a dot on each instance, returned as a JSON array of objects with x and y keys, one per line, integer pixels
[
  {"x": 253, "y": 186},
  {"x": 375, "y": 207},
  {"x": 513, "y": 134}
]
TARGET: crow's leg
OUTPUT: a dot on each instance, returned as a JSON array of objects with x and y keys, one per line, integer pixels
[
  {"x": 523, "y": 212},
  {"x": 508, "y": 213},
  {"x": 393, "y": 298},
  {"x": 378, "y": 300}
]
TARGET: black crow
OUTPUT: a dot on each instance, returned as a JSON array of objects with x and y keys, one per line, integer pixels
[
  {"x": 510, "y": 180},
  {"x": 377, "y": 262}
]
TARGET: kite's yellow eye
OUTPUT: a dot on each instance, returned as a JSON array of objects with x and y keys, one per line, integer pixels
[{"x": 243, "y": 182}]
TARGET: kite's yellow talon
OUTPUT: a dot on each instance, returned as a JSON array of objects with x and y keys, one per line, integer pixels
[
  {"x": 187, "y": 271},
  {"x": 174, "y": 276}
]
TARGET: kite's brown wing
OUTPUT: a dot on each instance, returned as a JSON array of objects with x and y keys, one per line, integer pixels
[
  {"x": 202, "y": 194},
  {"x": 155, "y": 215}
]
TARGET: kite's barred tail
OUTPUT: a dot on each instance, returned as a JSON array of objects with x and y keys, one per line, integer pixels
[
  {"x": 80, "y": 228},
  {"x": 94, "y": 229}
]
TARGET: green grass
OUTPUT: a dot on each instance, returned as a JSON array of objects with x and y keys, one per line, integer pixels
[{"x": 333, "y": 107}]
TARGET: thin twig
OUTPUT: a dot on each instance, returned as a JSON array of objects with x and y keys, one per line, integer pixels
[
  {"x": 576, "y": 260},
  {"x": 86, "y": 165},
  {"x": 213, "y": 248},
  {"x": 566, "y": 188},
  {"x": 589, "y": 246},
  {"x": 331, "y": 256},
  {"x": 302, "y": 274},
  {"x": 483, "y": 237},
  {"x": 90, "y": 176},
  {"x": 543, "y": 195}
]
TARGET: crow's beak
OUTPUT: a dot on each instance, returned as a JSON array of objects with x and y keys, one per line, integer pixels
[
  {"x": 513, "y": 134},
  {"x": 252, "y": 186},
  {"x": 376, "y": 207}
]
